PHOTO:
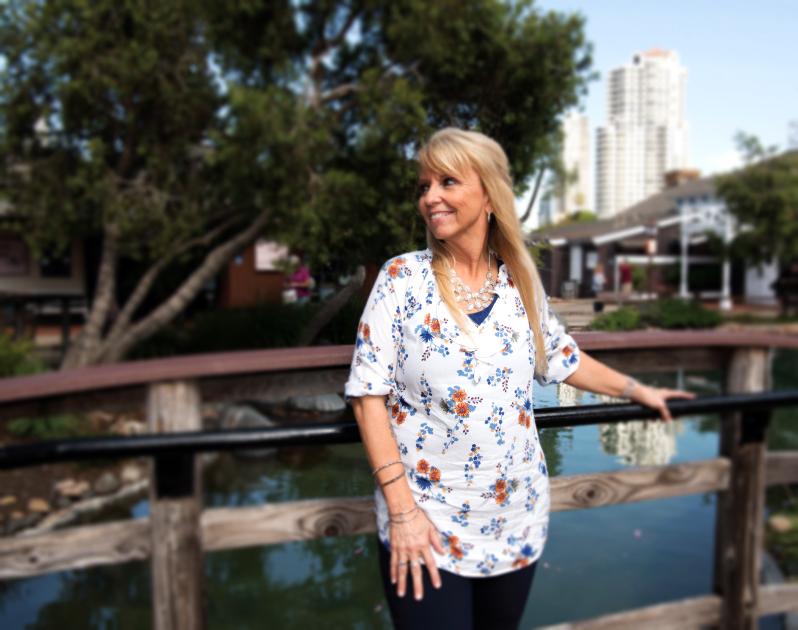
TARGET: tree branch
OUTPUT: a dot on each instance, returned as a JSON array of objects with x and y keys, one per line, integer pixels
[
  {"x": 173, "y": 305},
  {"x": 148, "y": 279},
  {"x": 535, "y": 190}
]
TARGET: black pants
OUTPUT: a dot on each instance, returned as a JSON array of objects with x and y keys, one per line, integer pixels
[{"x": 462, "y": 603}]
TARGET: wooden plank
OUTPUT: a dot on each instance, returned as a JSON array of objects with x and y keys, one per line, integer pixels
[
  {"x": 177, "y": 564},
  {"x": 781, "y": 467},
  {"x": 778, "y": 598},
  {"x": 576, "y": 492},
  {"x": 91, "y": 380},
  {"x": 74, "y": 548},
  {"x": 739, "y": 527},
  {"x": 695, "y": 612},
  {"x": 230, "y": 528}
]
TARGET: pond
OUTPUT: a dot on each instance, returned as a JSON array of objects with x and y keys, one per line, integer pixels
[{"x": 596, "y": 561}]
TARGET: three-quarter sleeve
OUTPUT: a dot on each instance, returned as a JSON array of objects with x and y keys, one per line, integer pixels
[
  {"x": 562, "y": 353},
  {"x": 379, "y": 333}
]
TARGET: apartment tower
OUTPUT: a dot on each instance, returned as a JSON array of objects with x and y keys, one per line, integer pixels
[{"x": 646, "y": 132}]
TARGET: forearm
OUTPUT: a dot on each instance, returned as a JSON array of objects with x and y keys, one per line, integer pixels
[
  {"x": 380, "y": 445},
  {"x": 594, "y": 376}
]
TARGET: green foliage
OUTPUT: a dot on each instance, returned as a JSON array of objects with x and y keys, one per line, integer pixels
[
  {"x": 666, "y": 313},
  {"x": 17, "y": 358},
  {"x": 51, "y": 427},
  {"x": 676, "y": 313},
  {"x": 165, "y": 129},
  {"x": 580, "y": 216},
  {"x": 625, "y": 318},
  {"x": 764, "y": 197}
]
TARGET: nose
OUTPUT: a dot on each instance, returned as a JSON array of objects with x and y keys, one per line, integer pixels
[{"x": 432, "y": 195}]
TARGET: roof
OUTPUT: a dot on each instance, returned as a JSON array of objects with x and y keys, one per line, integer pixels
[{"x": 651, "y": 209}]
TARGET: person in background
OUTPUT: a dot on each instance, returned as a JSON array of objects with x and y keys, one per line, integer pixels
[
  {"x": 448, "y": 348},
  {"x": 301, "y": 280},
  {"x": 599, "y": 279},
  {"x": 625, "y": 272}
]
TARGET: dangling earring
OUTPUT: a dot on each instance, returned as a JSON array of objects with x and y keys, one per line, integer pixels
[{"x": 489, "y": 215}]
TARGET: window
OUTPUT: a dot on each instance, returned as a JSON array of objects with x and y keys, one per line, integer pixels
[
  {"x": 13, "y": 256},
  {"x": 54, "y": 265}
]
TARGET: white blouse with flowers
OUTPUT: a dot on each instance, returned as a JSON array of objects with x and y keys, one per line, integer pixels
[{"x": 461, "y": 411}]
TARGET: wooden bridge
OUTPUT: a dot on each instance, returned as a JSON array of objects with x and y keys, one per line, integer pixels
[{"x": 179, "y": 531}]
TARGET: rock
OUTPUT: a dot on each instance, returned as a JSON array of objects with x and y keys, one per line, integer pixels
[
  {"x": 326, "y": 403},
  {"x": 100, "y": 420},
  {"x": 37, "y": 504},
  {"x": 8, "y": 499},
  {"x": 131, "y": 473},
  {"x": 127, "y": 426},
  {"x": 246, "y": 417},
  {"x": 780, "y": 524},
  {"x": 71, "y": 488},
  {"x": 107, "y": 483}
]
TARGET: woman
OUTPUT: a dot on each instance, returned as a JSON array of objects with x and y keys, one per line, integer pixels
[{"x": 441, "y": 385}]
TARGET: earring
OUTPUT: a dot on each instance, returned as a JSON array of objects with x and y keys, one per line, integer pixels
[{"x": 490, "y": 214}]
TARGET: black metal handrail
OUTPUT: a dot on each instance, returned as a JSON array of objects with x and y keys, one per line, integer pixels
[{"x": 165, "y": 444}]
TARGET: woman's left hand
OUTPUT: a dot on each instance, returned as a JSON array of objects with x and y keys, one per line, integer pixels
[{"x": 656, "y": 397}]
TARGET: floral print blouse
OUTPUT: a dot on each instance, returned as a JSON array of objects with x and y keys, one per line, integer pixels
[{"x": 460, "y": 405}]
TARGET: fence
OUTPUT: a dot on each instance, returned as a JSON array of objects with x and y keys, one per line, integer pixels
[{"x": 179, "y": 531}]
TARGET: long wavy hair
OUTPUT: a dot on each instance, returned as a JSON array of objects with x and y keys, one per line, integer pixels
[{"x": 452, "y": 151}]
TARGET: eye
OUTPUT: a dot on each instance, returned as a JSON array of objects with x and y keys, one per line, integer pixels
[
  {"x": 447, "y": 180},
  {"x": 422, "y": 188}
]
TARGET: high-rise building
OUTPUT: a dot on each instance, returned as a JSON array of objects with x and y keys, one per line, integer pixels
[
  {"x": 646, "y": 132},
  {"x": 575, "y": 192}
]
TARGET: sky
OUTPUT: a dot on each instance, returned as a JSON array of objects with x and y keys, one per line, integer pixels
[{"x": 741, "y": 59}]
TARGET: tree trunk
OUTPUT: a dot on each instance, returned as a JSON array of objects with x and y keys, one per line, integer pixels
[
  {"x": 87, "y": 344},
  {"x": 331, "y": 307}
]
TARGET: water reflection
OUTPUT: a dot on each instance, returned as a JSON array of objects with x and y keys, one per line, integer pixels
[{"x": 646, "y": 443}]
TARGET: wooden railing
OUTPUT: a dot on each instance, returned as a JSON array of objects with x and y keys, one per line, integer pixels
[{"x": 178, "y": 530}]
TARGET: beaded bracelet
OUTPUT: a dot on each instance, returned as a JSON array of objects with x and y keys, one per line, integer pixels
[
  {"x": 384, "y": 466},
  {"x": 392, "y": 479}
]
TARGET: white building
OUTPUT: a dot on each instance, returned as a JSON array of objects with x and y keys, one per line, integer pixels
[
  {"x": 646, "y": 132},
  {"x": 576, "y": 193}
]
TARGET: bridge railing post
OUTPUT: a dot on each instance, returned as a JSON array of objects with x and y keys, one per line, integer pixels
[
  {"x": 178, "y": 572},
  {"x": 740, "y": 511}
]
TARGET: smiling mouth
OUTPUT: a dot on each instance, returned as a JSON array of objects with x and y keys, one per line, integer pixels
[{"x": 437, "y": 216}]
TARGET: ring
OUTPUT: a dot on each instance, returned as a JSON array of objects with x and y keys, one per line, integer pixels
[{"x": 403, "y": 564}]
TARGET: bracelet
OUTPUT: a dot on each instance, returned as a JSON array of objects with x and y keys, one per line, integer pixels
[
  {"x": 392, "y": 479},
  {"x": 384, "y": 466},
  {"x": 629, "y": 387},
  {"x": 404, "y": 520},
  {"x": 411, "y": 510}
]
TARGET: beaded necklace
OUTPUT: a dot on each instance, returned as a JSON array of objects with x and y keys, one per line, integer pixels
[{"x": 479, "y": 299}]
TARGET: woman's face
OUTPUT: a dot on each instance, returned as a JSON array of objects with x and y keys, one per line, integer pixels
[{"x": 453, "y": 206}]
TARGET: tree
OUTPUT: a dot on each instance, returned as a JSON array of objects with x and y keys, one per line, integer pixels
[
  {"x": 183, "y": 131},
  {"x": 763, "y": 196}
]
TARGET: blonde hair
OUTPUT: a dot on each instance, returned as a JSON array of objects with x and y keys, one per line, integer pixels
[{"x": 453, "y": 151}]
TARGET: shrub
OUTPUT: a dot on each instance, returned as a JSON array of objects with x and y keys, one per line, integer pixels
[
  {"x": 625, "y": 318},
  {"x": 17, "y": 358},
  {"x": 51, "y": 427},
  {"x": 676, "y": 313}
]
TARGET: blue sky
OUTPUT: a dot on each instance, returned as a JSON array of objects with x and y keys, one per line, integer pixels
[{"x": 741, "y": 59}]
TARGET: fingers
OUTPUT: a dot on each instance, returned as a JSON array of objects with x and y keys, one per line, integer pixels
[
  {"x": 394, "y": 567},
  {"x": 402, "y": 575},
  {"x": 418, "y": 579},
  {"x": 434, "y": 576}
]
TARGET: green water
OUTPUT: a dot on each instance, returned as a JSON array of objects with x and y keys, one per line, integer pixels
[{"x": 596, "y": 561}]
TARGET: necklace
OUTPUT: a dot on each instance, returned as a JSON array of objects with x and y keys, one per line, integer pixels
[{"x": 480, "y": 299}]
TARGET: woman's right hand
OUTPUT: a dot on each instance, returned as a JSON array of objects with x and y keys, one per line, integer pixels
[{"x": 410, "y": 543}]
